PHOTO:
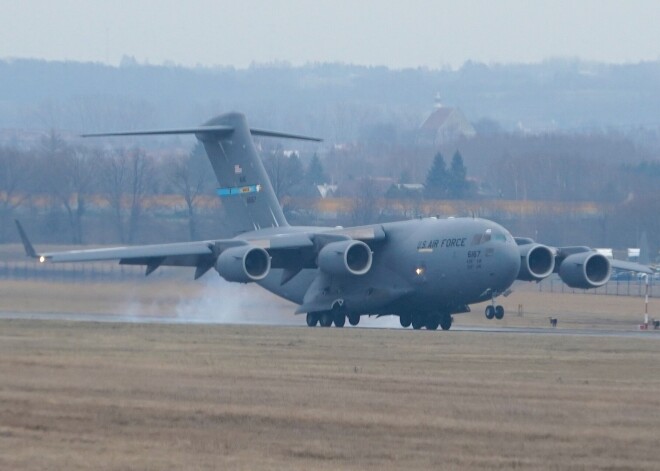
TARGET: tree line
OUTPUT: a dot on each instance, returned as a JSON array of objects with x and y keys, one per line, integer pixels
[{"x": 82, "y": 194}]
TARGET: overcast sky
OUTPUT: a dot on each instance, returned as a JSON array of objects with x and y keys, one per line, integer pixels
[{"x": 395, "y": 33}]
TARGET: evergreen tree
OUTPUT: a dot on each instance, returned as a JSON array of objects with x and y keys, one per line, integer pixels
[
  {"x": 315, "y": 174},
  {"x": 295, "y": 171},
  {"x": 457, "y": 178},
  {"x": 437, "y": 179},
  {"x": 284, "y": 172}
]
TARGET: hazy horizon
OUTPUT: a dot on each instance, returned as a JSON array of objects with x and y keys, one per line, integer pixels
[{"x": 372, "y": 33}]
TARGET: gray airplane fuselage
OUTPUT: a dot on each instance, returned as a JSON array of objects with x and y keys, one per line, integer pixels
[{"x": 423, "y": 265}]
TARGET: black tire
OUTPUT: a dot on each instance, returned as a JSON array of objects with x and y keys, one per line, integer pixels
[
  {"x": 499, "y": 312},
  {"x": 446, "y": 322},
  {"x": 354, "y": 319},
  {"x": 490, "y": 312},
  {"x": 326, "y": 319},
  {"x": 405, "y": 320},
  {"x": 418, "y": 321},
  {"x": 432, "y": 322},
  {"x": 312, "y": 319},
  {"x": 339, "y": 318}
]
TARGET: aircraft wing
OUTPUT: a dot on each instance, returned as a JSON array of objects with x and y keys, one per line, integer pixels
[
  {"x": 630, "y": 266},
  {"x": 175, "y": 252},
  {"x": 290, "y": 251},
  {"x": 200, "y": 254}
]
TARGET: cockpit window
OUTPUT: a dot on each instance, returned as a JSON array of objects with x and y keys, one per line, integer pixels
[
  {"x": 478, "y": 239},
  {"x": 489, "y": 235}
]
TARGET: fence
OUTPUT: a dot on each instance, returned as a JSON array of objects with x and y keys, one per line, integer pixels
[
  {"x": 633, "y": 286},
  {"x": 74, "y": 273}
]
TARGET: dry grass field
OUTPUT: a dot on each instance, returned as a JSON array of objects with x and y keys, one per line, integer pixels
[
  {"x": 118, "y": 396},
  {"x": 76, "y": 395}
]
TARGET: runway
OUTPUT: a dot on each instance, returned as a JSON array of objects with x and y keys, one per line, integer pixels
[{"x": 298, "y": 321}]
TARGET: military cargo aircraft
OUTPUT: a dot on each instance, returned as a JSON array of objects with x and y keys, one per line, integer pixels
[{"x": 423, "y": 271}]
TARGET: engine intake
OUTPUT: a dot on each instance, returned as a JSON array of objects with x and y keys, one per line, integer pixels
[
  {"x": 243, "y": 264},
  {"x": 536, "y": 262},
  {"x": 346, "y": 257},
  {"x": 585, "y": 270}
]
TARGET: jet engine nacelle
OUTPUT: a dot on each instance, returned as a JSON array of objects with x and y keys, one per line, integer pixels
[
  {"x": 536, "y": 262},
  {"x": 346, "y": 257},
  {"x": 585, "y": 270},
  {"x": 243, "y": 264}
]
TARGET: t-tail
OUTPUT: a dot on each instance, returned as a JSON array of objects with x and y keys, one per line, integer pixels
[{"x": 248, "y": 198}]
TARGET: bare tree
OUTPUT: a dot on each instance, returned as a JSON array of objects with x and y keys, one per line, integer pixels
[
  {"x": 191, "y": 177},
  {"x": 126, "y": 178},
  {"x": 365, "y": 209},
  {"x": 71, "y": 175},
  {"x": 284, "y": 171}
]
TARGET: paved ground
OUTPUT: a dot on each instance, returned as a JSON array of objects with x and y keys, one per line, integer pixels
[{"x": 295, "y": 321}]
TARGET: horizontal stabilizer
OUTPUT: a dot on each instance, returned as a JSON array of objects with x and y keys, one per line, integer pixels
[
  {"x": 219, "y": 131},
  {"x": 264, "y": 133}
]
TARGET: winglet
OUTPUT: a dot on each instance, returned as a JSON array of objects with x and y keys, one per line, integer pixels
[{"x": 29, "y": 250}]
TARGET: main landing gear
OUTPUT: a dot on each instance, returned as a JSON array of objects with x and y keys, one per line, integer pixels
[
  {"x": 327, "y": 318},
  {"x": 430, "y": 321},
  {"x": 493, "y": 311}
]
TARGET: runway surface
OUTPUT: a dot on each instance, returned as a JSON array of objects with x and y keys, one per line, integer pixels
[{"x": 299, "y": 321}]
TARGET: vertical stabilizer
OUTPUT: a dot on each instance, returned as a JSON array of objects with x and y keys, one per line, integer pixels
[{"x": 247, "y": 195}]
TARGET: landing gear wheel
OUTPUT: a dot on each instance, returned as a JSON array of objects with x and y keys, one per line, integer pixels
[
  {"x": 490, "y": 312},
  {"x": 446, "y": 322},
  {"x": 354, "y": 319},
  {"x": 432, "y": 322},
  {"x": 312, "y": 319},
  {"x": 326, "y": 319},
  {"x": 405, "y": 320},
  {"x": 339, "y": 319},
  {"x": 418, "y": 321},
  {"x": 499, "y": 312}
]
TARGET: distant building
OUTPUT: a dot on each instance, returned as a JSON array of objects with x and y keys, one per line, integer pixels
[
  {"x": 326, "y": 190},
  {"x": 411, "y": 187},
  {"x": 444, "y": 125}
]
